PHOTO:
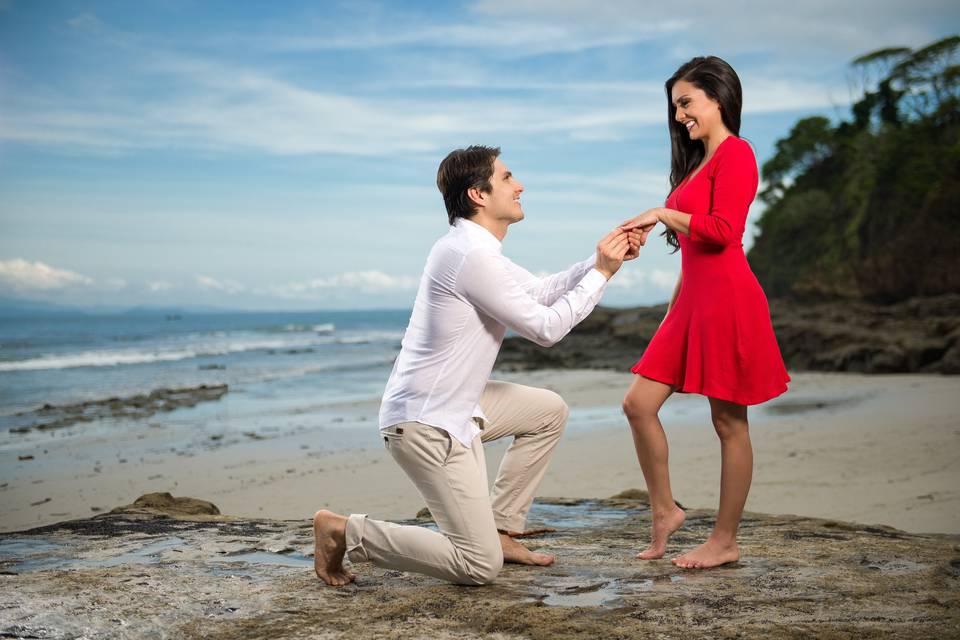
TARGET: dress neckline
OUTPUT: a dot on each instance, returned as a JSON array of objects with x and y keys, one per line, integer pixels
[{"x": 689, "y": 178}]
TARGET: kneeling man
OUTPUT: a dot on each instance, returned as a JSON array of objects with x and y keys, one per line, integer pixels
[{"x": 439, "y": 398}]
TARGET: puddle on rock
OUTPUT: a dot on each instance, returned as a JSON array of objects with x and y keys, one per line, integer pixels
[
  {"x": 588, "y": 513},
  {"x": 46, "y": 556},
  {"x": 149, "y": 554},
  {"x": 22, "y": 554},
  {"x": 598, "y": 591},
  {"x": 576, "y": 592},
  {"x": 267, "y": 557}
]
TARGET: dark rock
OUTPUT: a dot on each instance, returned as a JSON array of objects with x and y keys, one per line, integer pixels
[
  {"x": 165, "y": 504},
  {"x": 138, "y": 406},
  {"x": 918, "y": 335}
]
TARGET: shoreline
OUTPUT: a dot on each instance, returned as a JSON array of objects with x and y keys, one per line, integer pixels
[{"x": 878, "y": 449}]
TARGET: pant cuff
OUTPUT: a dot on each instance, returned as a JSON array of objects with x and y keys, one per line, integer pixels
[
  {"x": 354, "y": 537},
  {"x": 510, "y": 523}
]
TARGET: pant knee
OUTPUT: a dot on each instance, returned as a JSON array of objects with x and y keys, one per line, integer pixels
[
  {"x": 483, "y": 568},
  {"x": 559, "y": 410}
]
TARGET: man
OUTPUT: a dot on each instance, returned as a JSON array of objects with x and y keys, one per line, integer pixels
[{"x": 439, "y": 397}]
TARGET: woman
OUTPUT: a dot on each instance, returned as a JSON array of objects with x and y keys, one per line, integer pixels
[{"x": 716, "y": 339}]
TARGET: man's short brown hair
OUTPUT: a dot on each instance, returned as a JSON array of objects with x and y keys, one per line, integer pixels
[{"x": 462, "y": 170}]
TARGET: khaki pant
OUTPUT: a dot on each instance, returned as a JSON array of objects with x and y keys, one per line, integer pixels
[{"x": 452, "y": 479}]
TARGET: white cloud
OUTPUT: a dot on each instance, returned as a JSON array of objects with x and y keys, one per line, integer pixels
[
  {"x": 219, "y": 107},
  {"x": 370, "y": 281},
  {"x": 635, "y": 276},
  {"x": 85, "y": 22},
  {"x": 114, "y": 283},
  {"x": 158, "y": 286},
  {"x": 743, "y": 26},
  {"x": 492, "y": 35},
  {"x": 21, "y": 275},
  {"x": 214, "y": 106},
  {"x": 226, "y": 286}
]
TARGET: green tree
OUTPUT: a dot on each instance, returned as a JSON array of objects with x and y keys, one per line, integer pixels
[{"x": 868, "y": 208}]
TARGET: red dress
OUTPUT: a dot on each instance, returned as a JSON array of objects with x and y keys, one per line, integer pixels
[{"x": 717, "y": 340}]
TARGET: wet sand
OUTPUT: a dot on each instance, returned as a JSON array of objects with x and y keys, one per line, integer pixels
[{"x": 871, "y": 449}]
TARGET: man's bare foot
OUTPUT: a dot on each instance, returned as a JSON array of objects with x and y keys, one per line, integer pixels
[
  {"x": 330, "y": 544},
  {"x": 710, "y": 554},
  {"x": 515, "y": 552},
  {"x": 663, "y": 528}
]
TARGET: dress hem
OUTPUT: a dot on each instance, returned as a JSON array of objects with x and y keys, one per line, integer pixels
[{"x": 679, "y": 388}]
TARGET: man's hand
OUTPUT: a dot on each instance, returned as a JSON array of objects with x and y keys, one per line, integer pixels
[
  {"x": 636, "y": 239},
  {"x": 611, "y": 251}
]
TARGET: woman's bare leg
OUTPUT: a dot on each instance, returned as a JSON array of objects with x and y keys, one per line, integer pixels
[
  {"x": 641, "y": 405},
  {"x": 736, "y": 455}
]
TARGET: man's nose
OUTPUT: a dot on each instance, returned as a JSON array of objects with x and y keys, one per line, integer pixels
[{"x": 519, "y": 187}]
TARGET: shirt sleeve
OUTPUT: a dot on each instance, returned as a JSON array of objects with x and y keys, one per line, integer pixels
[
  {"x": 548, "y": 289},
  {"x": 734, "y": 186},
  {"x": 486, "y": 280}
]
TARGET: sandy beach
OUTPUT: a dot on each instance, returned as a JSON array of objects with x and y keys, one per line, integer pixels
[{"x": 872, "y": 449}]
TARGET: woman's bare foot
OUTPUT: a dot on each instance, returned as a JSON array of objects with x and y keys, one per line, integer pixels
[
  {"x": 516, "y": 553},
  {"x": 663, "y": 528},
  {"x": 330, "y": 545},
  {"x": 710, "y": 554}
]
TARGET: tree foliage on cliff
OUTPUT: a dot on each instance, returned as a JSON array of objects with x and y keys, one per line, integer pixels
[{"x": 868, "y": 208}]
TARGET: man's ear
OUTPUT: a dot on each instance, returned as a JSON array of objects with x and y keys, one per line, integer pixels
[{"x": 476, "y": 196}]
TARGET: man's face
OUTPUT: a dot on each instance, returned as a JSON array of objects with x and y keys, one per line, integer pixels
[{"x": 502, "y": 202}]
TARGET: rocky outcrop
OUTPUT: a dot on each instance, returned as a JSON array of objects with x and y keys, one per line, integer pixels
[
  {"x": 140, "y": 574},
  {"x": 139, "y": 406},
  {"x": 919, "y": 335}
]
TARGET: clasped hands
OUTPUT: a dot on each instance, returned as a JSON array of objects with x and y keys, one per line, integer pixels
[{"x": 624, "y": 242}]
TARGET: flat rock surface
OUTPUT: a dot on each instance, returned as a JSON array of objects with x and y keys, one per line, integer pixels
[{"x": 143, "y": 573}]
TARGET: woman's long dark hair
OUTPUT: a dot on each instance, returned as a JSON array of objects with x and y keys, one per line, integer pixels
[{"x": 719, "y": 81}]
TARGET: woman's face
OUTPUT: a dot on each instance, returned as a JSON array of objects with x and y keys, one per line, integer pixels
[{"x": 695, "y": 110}]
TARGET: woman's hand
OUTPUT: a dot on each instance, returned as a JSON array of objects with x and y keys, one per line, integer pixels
[{"x": 645, "y": 221}]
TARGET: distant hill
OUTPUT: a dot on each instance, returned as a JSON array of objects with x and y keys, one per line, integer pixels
[
  {"x": 23, "y": 307},
  {"x": 868, "y": 209},
  {"x": 16, "y": 307}
]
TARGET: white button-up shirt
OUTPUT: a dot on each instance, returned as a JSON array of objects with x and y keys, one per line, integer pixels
[{"x": 469, "y": 295}]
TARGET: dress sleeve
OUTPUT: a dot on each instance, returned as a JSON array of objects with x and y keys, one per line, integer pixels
[
  {"x": 485, "y": 280},
  {"x": 734, "y": 185}
]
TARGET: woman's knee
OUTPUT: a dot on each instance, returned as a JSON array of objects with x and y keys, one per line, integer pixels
[
  {"x": 636, "y": 407},
  {"x": 728, "y": 427}
]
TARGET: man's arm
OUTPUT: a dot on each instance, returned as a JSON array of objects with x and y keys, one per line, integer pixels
[
  {"x": 547, "y": 289},
  {"x": 486, "y": 280}
]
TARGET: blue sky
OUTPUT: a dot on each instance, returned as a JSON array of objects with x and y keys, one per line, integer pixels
[{"x": 283, "y": 155}]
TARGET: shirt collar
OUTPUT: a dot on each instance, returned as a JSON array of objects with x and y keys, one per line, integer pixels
[{"x": 474, "y": 230}]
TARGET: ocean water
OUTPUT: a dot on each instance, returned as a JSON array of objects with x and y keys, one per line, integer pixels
[{"x": 274, "y": 363}]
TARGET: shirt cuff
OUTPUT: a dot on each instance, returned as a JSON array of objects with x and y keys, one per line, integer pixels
[{"x": 594, "y": 280}]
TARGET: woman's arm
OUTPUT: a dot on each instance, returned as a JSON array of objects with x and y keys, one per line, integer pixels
[
  {"x": 734, "y": 187},
  {"x": 676, "y": 220}
]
